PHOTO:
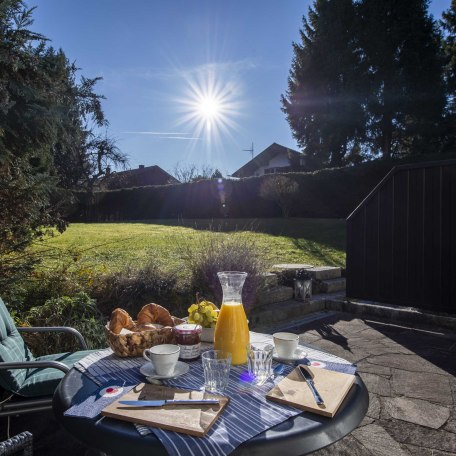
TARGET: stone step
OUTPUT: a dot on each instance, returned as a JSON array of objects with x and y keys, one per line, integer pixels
[
  {"x": 282, "y": 312},
  {"x": 274, "y": 294},
  {"x": 324, "y": 272},
  {"x": 290, "y": 267},
  {"x": 270, "y": 280},
  {"x": 332, "y": 285}
]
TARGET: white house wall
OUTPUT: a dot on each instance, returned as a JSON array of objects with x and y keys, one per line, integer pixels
[{"x": 279, "y": 161}]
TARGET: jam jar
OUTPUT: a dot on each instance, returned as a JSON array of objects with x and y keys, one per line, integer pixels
[{"x": 188, "y": 337}]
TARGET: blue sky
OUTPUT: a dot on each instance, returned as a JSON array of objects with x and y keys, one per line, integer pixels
[{"x": 186, "y": 82}]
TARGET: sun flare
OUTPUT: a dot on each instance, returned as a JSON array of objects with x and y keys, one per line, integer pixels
[{"x": 210, "y": 106}]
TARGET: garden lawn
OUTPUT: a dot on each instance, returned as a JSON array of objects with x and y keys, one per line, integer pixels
[{"x": 107, "y": 247}]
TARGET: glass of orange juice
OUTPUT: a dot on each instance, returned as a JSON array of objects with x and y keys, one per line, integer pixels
[{"x": 232, "y": 330}]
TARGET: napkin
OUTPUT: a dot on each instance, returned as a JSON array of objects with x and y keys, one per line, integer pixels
[{"x": 92, "y": 406}]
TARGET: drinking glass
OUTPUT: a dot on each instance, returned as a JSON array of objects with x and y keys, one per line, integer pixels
[
  {"x": 259, "y": 359},
  {"x": 216, "y": 366}
]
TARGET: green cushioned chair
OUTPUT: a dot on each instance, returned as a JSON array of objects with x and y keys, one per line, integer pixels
[{"x": 32, "y": 381}]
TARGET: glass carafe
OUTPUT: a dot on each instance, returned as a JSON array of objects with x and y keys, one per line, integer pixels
[{"x": 232, "y": 330}]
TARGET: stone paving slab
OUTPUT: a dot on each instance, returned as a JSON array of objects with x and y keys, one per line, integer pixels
[
  {"x": 430, "y": 387},
  {"x": 450, "y": 426},
  {"x": 420, "y": 451},
  {"x": 410, "y": 363},
  {"x": 415, "y": 411},
  {"x": 374, "y": 409},
  {"x": 348, "y": 446},
  {"x": 369, "y": 368},
  {"x": 376, "y": 384},
  {"x": 412, "y": 434},
  {"x": 378, "y": 441}
]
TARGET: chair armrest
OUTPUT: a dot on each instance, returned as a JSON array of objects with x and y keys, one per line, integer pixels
[
  {"x": 34, "y": 364},
  {"x": 65, "y": 329}
]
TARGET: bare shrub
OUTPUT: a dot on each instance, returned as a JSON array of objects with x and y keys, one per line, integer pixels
[
  {"x": 131, "y": 288},
  {"x": 215, "y": 252},
  {"x": 281, "y": 190}
]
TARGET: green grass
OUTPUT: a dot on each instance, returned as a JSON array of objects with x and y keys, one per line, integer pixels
[{"x": 113, "y": 246}]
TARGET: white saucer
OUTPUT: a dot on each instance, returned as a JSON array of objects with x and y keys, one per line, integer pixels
[
  {"x": 298, "y": 354},
  {"x": 148, "y": 370}
]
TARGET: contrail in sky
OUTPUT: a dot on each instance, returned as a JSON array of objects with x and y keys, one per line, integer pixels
[{"x": 163, "y": 134}]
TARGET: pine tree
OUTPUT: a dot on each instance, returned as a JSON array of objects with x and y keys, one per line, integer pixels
[
  {"x": 449, "y": 25},
  {"x": 401, "y": 49},
  {"x": 323, "y": 103},
  {"x": 449, "y": 46}
]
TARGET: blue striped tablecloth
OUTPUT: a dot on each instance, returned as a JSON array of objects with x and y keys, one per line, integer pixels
[{"x": 247, "y": 414}]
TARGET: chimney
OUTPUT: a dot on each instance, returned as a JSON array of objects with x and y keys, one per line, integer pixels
[
  {"x": 108, "y": 170},
  {"x": 141, "y": 166}
]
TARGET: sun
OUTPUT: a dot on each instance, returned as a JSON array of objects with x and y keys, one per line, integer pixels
[
  {"x": 209, "y": 108},
  {"x": 210, "y": 105}
]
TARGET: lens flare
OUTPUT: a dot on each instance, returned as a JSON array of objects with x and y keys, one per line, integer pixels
[{"x": 210, "y": 106}]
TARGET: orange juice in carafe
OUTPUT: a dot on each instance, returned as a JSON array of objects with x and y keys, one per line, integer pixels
[{"x": 232, "y": 331}]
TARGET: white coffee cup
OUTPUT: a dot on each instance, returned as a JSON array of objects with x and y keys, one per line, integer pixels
[
  {"x": 163, "y": 357},
  {"x": 285, "y": 344}
]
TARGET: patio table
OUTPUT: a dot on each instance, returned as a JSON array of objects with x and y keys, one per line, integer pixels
[{"x": 299, "y": 435}]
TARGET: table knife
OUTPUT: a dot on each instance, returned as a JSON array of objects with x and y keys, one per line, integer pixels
[
  {"x": 160, "y": 403},
  {"x": 309, "y": 380}
]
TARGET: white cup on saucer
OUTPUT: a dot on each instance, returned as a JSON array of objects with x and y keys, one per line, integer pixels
[
  {"x": 163, "y": 357},
  {"x": 285, "y": 344}
]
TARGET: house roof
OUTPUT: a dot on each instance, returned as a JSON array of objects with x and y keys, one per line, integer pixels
[
  {"x": 139, "y": 177},
  {"x": 263, "y": 158}
]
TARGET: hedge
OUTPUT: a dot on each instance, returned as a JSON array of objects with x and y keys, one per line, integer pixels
[{"x": 329, "y": 193}]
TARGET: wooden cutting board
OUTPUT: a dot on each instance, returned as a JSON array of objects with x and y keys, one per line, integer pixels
[
  {"x": 332, "y": 386},
  {"x": 188, "y": 419}
]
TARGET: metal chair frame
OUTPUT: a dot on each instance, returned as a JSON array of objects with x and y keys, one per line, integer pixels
[
  {"x": 21, "y": 442},
  {"x": 31, "y": 405}
]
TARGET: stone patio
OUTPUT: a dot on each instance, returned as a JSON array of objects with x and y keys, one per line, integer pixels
[{"x": 409, "y": 372}]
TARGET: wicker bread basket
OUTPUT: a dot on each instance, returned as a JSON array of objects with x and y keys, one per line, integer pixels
[{"x": 134, "y": 343}]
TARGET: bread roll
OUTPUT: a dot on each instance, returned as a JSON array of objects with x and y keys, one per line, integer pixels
[{"x": 154, "y": 313}]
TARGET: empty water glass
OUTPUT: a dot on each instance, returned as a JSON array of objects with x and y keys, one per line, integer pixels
[
  {"x": 216, "y": 366},
  {"x": 260, "y": 360}
]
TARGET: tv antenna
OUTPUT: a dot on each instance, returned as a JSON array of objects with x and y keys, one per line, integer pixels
[{"x": 249, "y": 150}]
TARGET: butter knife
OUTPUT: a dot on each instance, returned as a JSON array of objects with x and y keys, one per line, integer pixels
[
  {"x": 170, "y": 402},
  {"x": 309, "y": 380}
]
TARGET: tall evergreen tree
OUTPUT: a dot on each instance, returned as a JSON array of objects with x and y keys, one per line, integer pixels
[
  {"x": 449, "y": 25},
  {"x": 449, "y": 46},
  {"x": 401, "y": 49},
  {"x": 47, "y": 138},
  {"x": 323, "y": 103}
]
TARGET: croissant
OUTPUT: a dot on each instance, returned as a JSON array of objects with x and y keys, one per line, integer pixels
[
  {"x": 154, "y": 313},
  {"x": 120, "y": 319}
]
